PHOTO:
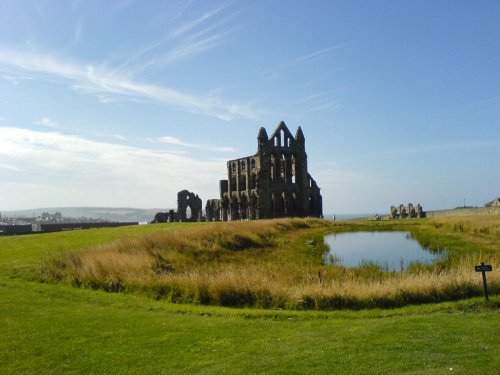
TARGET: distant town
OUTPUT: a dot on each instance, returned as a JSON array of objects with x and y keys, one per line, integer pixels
[
  {"x": 56, "y": 222},
  {"x": 47, "y": 218}
]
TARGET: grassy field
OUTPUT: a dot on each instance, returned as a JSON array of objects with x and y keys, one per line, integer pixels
[
  {"x": 57, "y": 328},
  {"x": 278, "y": 264}
]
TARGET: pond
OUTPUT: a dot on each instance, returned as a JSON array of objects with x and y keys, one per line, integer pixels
[{"x": 391, "y": 251}]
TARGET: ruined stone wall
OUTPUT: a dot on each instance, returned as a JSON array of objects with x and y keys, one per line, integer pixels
[
  {"x": 213, "y": 210},
  {"x": 409, "y": 211},
  {"x": 479, "y": 211}
]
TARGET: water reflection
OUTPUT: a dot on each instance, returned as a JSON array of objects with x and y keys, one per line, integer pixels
[{"x": 391, "y": 251}]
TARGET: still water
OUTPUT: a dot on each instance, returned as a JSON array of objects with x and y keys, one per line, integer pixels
[{"x": 391, "y": 251}]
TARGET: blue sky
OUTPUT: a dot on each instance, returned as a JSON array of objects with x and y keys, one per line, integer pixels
[{"x": 124, "y": 103}]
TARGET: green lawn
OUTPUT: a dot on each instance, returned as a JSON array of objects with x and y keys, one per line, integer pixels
[{"x": 54, "y": 328}]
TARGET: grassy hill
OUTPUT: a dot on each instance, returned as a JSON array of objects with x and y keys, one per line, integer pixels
[{"x": 56, "y": 328}]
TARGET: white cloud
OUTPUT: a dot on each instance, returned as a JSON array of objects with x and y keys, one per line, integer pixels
[
  {"x": 178, "y": 142},
  {"x": 173, "y": 141},
  {"x": 105, "y": 85},
  {"x": 17, "y": 79},
  {"x": 45, "y": 121},
  {"x": 63, "y": 169},
  {"x": 8, "y": 167},
  {"x": 223, "y": 149}
]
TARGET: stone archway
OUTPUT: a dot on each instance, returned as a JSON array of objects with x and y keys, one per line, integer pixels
[
  {"x": 225, "y": 209},
  {"x": 244, "y": 207},
  {"x": 234, "y": 209},
  {"x": 252, "y": 207},
  {"x": 185, "y": 200}
]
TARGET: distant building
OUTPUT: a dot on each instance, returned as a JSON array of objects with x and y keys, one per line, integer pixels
[{"x": 494, "y": 203}]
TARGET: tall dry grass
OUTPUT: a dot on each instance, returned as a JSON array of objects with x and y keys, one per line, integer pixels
[{"x": 263, "y": 264}]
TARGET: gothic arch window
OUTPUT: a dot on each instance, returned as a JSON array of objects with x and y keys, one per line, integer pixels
[
  {"x": 253, "y": 181},
  {"x": 225, "y": 208},
  {"x": 243, "y": 207},
  {"x": 273, "y": 167},
  {"x": 282, "y": 167},
  {"x": 252, "y": 209},
  {"x": 252, "y": 163},
  {"x": 282, "y": 207},
  {"x": 293, "y": 168},
  {"x": 243, "y": 182},
  {"x": 286, "y": 203},
  {"x": 284, "y": 137},
  {"x": 234, "y": 208}
]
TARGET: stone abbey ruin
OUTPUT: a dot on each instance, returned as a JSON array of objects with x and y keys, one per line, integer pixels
[{"x": 272, "y": 183}]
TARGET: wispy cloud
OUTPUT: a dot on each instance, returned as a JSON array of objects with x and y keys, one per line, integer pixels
[
  {"x": 52, "y": 124},
  {"x": 199, "y": 35},
  {"x": 301, "y": 60},
  {"x": 327, "y": 105},
  {"x": 102, "y": 83},
  {"x": 100, "y": 171},
  {"x": 320, "y": 101},
  {"x": 178, "y": 142},
  {"x": 78, "y": 31},
  {"x": 192, "y": 47},
  {"x": 174, "y": 141},
  {"x": 186, "y": 40},
  {"x": 317, "y": 54},
  {"x": 8, "y": 167},
  {"x": 120, "y": 137},
  {"x": 45, "y": 121},
  {"x": 192, "y": 24},
  {"x": 17, "y": 79},
  {"x": 223, "y": 149},
  {"x": 123, "y": 3}
]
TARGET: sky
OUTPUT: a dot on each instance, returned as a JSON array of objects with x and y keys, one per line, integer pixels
[{"x": 125, "y": 103}]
